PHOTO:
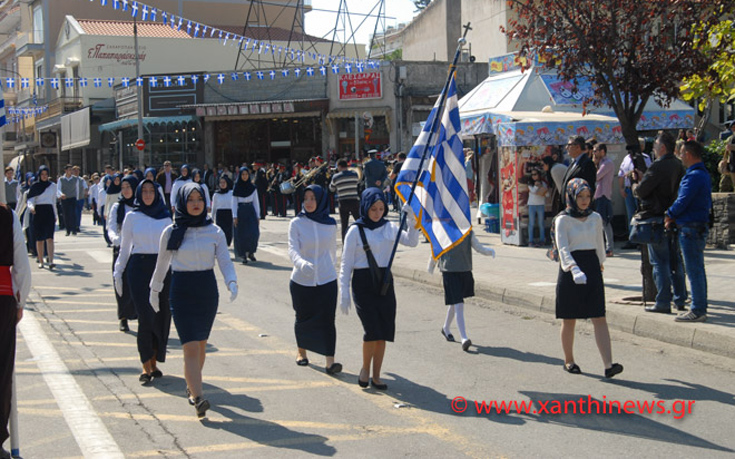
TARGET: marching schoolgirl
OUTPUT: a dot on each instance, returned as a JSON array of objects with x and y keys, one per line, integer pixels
[
  {"x": 112, "y": 194},
  {"x": 245, "y": 211},
  {"x": 312, "y": 246},
  {"x": 190, "y": 247},
  {"x": 369, "y": 241},
  {"x": 222, "y": 206},
  {"x": 580, "y": 290},
  {"x": 42, "y": 204},
  {"x": 196, "y": 177},
  {"x": 180, "y": 181},
  {"x": 124, "y": 205},
  {"x": 140, "y": 235}
]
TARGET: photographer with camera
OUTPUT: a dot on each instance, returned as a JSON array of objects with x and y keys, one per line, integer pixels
[
  {"x": 634, "y": 161},
  {"x": 657, "y": 191}
]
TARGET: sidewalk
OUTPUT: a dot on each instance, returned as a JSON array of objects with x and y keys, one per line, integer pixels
[{"x": 524, "y": 277}]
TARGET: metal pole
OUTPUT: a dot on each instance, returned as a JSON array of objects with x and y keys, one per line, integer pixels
[
  {"x": 13, "y": 421},
  {"x": 357, "y": 139},
  {"x": 120, "y": 147},
  {"x": 141, "y": 153}
]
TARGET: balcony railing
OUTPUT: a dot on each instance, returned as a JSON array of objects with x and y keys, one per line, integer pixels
[{"x": 60, "y": 106}]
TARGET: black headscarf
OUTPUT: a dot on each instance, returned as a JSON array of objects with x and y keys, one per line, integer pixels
[
  {"x": 188, "y": 173},
  {"x": 26, "y": 185},
  {"x": 183, "y": 220},
  {"x": 132, "y": 180},
  {"x": 157, "y": 209},
  {"x": 243, "y": 188},
  {"x": 138, "y": 174},
  {"x": 321, "y": 213},
  {"x": 194, "y": 173},
  {"x": 369, "y": 197},
  {"x": 221, "y": 190},
  {"x": 106, "y": 180},
  {"x": 152, "y": 170},
  {"x": 40, "y": 186},
  {"x": 112, "y": 188}
]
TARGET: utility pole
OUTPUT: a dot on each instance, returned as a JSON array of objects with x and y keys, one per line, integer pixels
[{"x": 141, "y": 153}]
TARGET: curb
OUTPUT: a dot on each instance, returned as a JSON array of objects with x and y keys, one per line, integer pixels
[{"x": 699, "y": 336}]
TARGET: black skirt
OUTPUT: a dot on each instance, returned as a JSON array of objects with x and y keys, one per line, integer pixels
[
  {"x": 194, "y": 300},
  {"x": 458, "y": 286},
  {"x": 153, "y": 327},
  {"x": 376, "y": 312},
  {"x": 315, "y": 309},
  {"x": 125, "y": 305},
  {"x": 44, "y": 222},
  {"x": 224, "y": 221},
  {"x": 247, "y": 232},
  {"x": 581, "y": 301}
]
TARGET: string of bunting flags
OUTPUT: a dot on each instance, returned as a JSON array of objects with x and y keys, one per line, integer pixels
[
  {"x": 15, "y": 114},
  {"x": 144, "y": 12}
]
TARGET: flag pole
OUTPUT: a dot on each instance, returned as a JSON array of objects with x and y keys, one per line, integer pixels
[{"x": 432, "y": 133}]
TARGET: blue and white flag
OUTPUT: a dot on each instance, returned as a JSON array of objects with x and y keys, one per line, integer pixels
[
  {"x": 3, "y": 120},
  {"x": 441, "y": 202}
]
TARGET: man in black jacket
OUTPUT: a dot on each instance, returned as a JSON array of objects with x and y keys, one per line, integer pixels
[
  {"x": 657, "y": 191},
  {"x": 582, "y": 167}
]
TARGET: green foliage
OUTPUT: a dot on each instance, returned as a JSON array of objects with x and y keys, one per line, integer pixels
[
  {"x": 396, "y": 55},
  {"x": 717, "y": 82},
  {"x": 713, "y": 153}
]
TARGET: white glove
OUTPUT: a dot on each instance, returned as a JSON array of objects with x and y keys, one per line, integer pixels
[
  {"x": 232, "y": 287},
  {"x": 154, "y": 301},
  {"x": 307, "y": 268},
  {"x": 119, "y": 286},
  {"x": 408, "y": 210},
  {"x": 430, "y": 267},
  {"x": 578, "y": 276},
  {"x": 345, "y": 304},
  {"x": 489, "y": 251}
]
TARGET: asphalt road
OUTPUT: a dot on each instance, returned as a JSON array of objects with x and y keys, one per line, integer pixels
[{"x": 80, "y": 396}]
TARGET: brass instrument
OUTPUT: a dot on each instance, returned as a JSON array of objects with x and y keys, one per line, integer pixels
[
  {"x": 356, "y": 170},
  {"x": 309, "y": 175}
]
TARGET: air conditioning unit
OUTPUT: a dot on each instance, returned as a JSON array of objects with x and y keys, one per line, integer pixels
[{"x": 48, "y": 139}]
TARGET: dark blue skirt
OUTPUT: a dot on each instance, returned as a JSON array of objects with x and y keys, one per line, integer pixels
[
  {"x": 153, "y": 327},
  {"x": 581, "y": 301},
  {"x": 44, "y": 222},
  {"x": 315, "y": 309},
  {"x": 125, "y": 305},
  {"x": 376, "y": 312},
  {"x": 223, "y": 218},
  {"x": 194, "y": 298},
  {"x": 248, "y": 230}
]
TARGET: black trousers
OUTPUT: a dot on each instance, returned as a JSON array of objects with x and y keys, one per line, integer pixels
[
  {"x": 347, "y": 207},
  {"x": 69, "y": 206},
  {"x": 8, "y": 312}
]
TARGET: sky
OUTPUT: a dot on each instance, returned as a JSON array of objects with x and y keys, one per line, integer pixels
[{"x": 319, "y": 23}]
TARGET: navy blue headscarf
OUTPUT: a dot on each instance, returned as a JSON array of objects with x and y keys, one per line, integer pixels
[
  {"x": 183, "y": 220},
  {"x": 152, "y": 170},
  {"x": 243, "y": 188},
  {"x": 194, "y": 173},
  {"x": 131, "y": 180},
  {"x": 112, "y": 188},
  {"x": 188, "y": 173},
  {"x": 157, "y": 209},
  {"x": 106, "y": 179},
  {"x": 40, "y": 186},
  {"x": 369, "y": 197},
  {"x": 321, "y": 213},
  {"x": 26, "y": 185},
  {"x": 138, "y": 174},
  {"x": 221, "y": 190}
]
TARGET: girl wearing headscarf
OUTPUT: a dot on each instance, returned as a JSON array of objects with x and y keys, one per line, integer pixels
[
  {"x": 113, "y": 194},
  {"x": 222, "y": 206},
  {"x": 24, "y": 213},
  {"x": 42, "y": 204},
  {"x": 196, "y": 177},
  {"x": 580, "y": 291},
  {"x": 377, "y": 312},
  {"x": 190, "y": 247},
  {"x": 180, "y": 181},
  {"x": 150, "y": 174},
  {"x": 312, "y": 247},
  {"x": 124, "y": 205},
  {"x": 246, "y": 212},
  {"x": 140, "y": 235}
]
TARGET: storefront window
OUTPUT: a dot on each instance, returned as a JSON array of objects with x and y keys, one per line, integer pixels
[{"x": 179, "y": 143}]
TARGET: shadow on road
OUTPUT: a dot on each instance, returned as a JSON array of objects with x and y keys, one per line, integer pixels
[{"x": 515, "y": 354}]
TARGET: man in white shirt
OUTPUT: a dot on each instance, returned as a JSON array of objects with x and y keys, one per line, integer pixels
[{"x": 68, "y": 192}]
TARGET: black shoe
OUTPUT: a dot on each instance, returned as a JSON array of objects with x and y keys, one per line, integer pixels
[
  {"x": 124, "y": 325},
  {"x": 466, "y": 345},
  {"x": 378, "y": 386},
  {"x": 615, "y": 369},
  {"x": 67, "y": 233},
  {"x": 362, "y": 383},
  {"x": 447, "y": 336},
  {"x": 252, "y": 257},
  {"x": 74, "y": 233},
  {"x": 334, "y": 368},
  {"x": 657, "y": 309},
  {"x": 244, "y": 261},
  {"x": 145, "y": 379},
  {"x": 155, "y": 374},
  {"x": 573, "y": 369},
  {"x": 302, "y": 362},
  {"x": 681, "y": 308},
  {"x": 201, "y": 405},
  {"x": 51, "y": 265}
]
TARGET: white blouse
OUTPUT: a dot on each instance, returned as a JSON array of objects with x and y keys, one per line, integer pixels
[
  {"x": 253, "y": 198},
  {"x": 113, "y": 229},
  {"x": 101, "y": 199},
  {"x": 140, "y": 234},
  {"x": 110, "y": 199},
  {"x": 312, "y": 247},
  {"x": 198, "y": 250},
  {"x": 175, "y": 190},
  {"x": 575, "y": 234},
  {"x": 221, "y": 201},
  {"x": 47, "y": 197},
  {"x": 381, "y": 242}
]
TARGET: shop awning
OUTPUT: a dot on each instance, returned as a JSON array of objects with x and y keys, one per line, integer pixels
[
  {"x": 75, "y": 129},
  {"x": 147, "y": 121},
  {"x": 351, "y": 112}
]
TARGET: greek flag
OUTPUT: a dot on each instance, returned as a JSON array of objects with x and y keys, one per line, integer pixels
[
  {"x": 441, "y": 202},
  {"x": 3, "y": 120}
]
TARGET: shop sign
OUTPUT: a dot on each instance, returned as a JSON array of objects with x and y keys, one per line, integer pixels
[{"x": 360, "y": 86}]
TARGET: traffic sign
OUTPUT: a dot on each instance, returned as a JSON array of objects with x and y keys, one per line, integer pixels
[{"x": 140, "y": 144}]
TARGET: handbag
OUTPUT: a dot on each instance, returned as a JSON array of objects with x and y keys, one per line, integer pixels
[
  {"x": 382, "y": 284},
  {"x": 647, "y": 230}
]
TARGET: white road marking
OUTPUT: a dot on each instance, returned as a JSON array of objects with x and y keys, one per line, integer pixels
[
  {"x": 542, "y": 284},
  {"x": 88, "y": 429},
  {"x": 101, "y": 256}
]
